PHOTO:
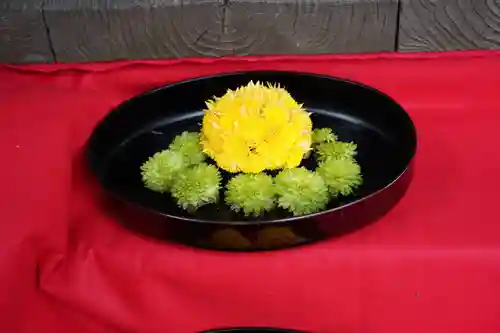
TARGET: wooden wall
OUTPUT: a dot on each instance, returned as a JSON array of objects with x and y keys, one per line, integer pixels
[{"x": 97, "y": 30}]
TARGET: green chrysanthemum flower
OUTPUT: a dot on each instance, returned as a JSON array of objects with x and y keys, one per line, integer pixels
[
  {"x": 196, "y": 186},
  {"x": 160, "y": 169},
  {"x": 188, "y": 144},
  {"x": 335, "y": 150},
  {"x": 342, "y": 176},
  {"x": 251, "y": 193},
  {"x": 301, "y": 191},
  {"x": 320, "y": 135}
]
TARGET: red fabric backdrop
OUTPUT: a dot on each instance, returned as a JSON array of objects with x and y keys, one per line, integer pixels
[{"x": 431, "y": 265}]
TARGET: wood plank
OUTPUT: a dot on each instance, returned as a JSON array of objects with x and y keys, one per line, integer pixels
[
  {"x": 23, "y": 34},
  {"x": 270, "y": 27},
  {"x": 442, "y": 25},
  {"x": 110, "y": 30},
  {"x": 96, "y": 30}
]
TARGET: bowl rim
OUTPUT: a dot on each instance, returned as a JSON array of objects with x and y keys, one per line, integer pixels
[
  {"x": 117, "y": 109},
  {"x": 252, "y": 329}
]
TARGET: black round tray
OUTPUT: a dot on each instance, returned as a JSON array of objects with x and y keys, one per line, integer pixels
[
  {"x": 384, "y": 133},
  {"x": 252, "y": 330}
]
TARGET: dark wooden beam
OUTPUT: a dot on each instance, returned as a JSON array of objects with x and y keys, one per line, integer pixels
[
  {"x": 444, "y": 25},
  {"x": 96, "y": 30}
]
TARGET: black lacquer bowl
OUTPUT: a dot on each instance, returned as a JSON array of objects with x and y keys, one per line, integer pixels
[
  {"x": 126, "y": 137},
  {"x": 253, "y": 330}
]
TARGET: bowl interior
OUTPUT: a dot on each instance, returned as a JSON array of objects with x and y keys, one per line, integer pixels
[{"x": 381, "y": 129}]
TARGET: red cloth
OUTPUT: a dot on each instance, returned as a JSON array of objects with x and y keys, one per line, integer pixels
[{"x": 431, "y": 265}]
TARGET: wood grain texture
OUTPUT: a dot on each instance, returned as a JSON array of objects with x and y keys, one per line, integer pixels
[
  {"x": 23, "y": 34},
  {"x": 96, "y": 30},
  {"x": 270, "y": 27},
  {"x": 442, "y": 25}
]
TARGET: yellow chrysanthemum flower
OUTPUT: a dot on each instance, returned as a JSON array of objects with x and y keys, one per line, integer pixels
[{"x": 254, "y": 128}]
